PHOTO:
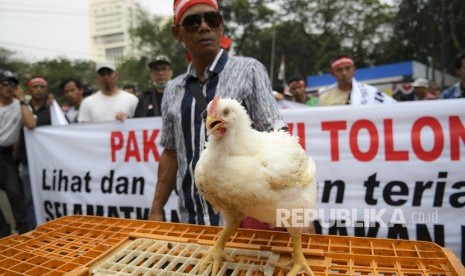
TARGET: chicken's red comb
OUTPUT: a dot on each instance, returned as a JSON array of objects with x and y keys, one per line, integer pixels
[{"x": 213, "y": 105}]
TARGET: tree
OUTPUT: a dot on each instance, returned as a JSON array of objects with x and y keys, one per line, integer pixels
[
  {"x": 56, "y": 70},
  {"x": 354, "y": 27},
  {"x": 429, "y": 31},
  {"x": 9, "y": 61},
  {"x": 309, "y": 33},
  {"x": 154, "y": 37}
]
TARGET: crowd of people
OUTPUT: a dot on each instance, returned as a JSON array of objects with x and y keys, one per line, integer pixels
[
  {"x": 348, "y": 91},
  {"x": 181, "y": 102},
  {"x": 32, "y": 109}
]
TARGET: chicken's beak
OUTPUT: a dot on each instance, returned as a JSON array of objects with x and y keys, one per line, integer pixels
[
  {"x": 212, "y": 123},
  {"x": 209, "y": 122}
]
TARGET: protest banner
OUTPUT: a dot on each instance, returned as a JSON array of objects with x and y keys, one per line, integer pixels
[{"x": 392, "y": 171}]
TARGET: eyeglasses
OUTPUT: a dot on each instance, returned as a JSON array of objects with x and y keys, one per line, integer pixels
[
  {"x": 7, "y": 83},
  {"x": 192, "y": 22},
  {"x": 162, "y": 68}
]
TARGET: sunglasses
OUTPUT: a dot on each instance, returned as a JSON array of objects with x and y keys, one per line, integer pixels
[
  {"x": 191, "y": 23},
  {"x": 7, "y": 83}
]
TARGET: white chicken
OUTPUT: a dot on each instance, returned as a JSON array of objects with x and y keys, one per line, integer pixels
[{"x": 243, "y": 172}]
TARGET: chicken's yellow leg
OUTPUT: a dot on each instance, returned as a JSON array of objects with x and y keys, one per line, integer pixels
[
  {"x": 300, "y": 263},
  {"x": 216, "y": 253}
]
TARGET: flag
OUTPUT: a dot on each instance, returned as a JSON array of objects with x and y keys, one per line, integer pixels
[
  {"x": 56, "y": 115},
  {"x": 282, "y": 70}
]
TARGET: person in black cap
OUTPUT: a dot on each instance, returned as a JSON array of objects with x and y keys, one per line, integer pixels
[
  {"x": 160, "y": 74},
  {"x": 14, "y": 113}
]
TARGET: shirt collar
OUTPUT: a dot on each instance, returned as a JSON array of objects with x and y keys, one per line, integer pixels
[{"x": 215, "y": 67}]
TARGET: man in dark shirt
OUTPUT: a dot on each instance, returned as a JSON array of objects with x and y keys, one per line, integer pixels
[
  {"x": 458, "y": 89},
  {"x": 73, "y": 91},
  {"x": 38, "y": 89},
  {"x": 150, "y": 101}
]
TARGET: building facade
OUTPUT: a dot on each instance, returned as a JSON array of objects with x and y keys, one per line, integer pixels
[{"x": 110, "y": 22}]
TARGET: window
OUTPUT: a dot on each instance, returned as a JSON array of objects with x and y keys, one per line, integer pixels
[
  {"x": 112, "y": 38},
  {"x": 114, "y": 53}
]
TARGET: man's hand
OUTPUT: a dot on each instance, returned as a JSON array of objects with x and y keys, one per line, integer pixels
[
  {"x": 167, "y": 168},
  {"x": 50, "y": 99},
  {"x": 278, "y": 96},
  {"x": 121, "y": 116},
  {"x": 19, "y": 93},
  {"x": 156, "y": 215},
  {"x": 27, "y": 115}
]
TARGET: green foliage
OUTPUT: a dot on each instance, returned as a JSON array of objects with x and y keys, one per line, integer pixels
[
  {"x": 8, "y": 61},
  {"x": 425, "y": 29},
  {"x": 316, "y": 31},
  {"x": 134, "y": 71},
  {"x": 54, "y": 71},
  {"x": 154, "y": 37},
  {"x": 308, "y": 33}
]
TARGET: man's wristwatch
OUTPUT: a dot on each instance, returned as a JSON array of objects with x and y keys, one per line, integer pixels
[{"x": 23, "y": 103}]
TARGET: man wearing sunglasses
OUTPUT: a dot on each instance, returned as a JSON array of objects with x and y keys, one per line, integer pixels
[
  {"x": 198, "y": 26},
  {"x": 14, "y": 113}
]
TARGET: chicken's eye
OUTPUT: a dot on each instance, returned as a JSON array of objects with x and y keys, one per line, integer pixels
[{"x": 226, "y": 112}]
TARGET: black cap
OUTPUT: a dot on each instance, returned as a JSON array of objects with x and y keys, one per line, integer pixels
[
  {"x": 8, "y": 75},
  {"x": 159, "y": 59}
]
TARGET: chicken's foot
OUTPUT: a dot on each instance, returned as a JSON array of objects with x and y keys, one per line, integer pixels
[{"x": 216, "y": 253}]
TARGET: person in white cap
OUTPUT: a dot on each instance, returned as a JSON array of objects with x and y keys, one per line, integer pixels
[
  {"x": 110, "y": 102},
  {"x": 421, "y": 91}
]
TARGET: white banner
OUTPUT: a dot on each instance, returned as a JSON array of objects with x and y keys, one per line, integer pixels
[
  {"x": 392, "y": 171},
  {"x": 107, "y": 169}
]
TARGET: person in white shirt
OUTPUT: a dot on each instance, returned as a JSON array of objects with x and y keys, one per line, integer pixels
[
  {"x": 109, "y": 103},
  {"x": 347, "y": 90},
  {"x": 15, "y": 112}
]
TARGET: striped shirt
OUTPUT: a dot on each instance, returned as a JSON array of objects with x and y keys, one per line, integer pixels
[{"x": 183, "y": 130}]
